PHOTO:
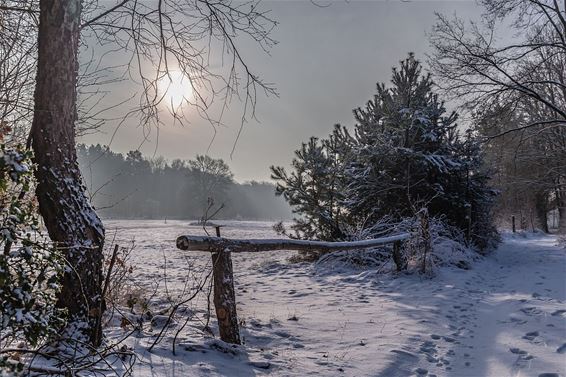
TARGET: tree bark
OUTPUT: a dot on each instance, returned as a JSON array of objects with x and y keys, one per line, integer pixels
[
  {"x": 71, "y": 221},
  {"x": 225, "y": 297},
  {"x": 541, "y": 207},
  {"x": 425, "y": 234},
  {"x": 561, "y": 201},
  {"x": 398, "y": 258}
]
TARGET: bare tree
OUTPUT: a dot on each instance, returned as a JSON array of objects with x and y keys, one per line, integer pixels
[
  {"x": 522, "y": 74},
  {"x": 472, "y": 64},
  {"x": 142, "y": 43},
  {"x": 211, "y": 179},
  {"x": 18, "y": 51},
  {"x": 529, "y": 164},
  {"x": 19, "y": 20},
  {"x": 196, "y": 38}
]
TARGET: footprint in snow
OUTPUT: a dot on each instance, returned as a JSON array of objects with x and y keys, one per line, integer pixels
[
  {"x": 518, "y": 351},
  {"x": 561, "y": 349},
  {"x": 518, "y": 321},
  {"x": 428, "y": 348},
  {"x": 421, "y": 372},
  {"x": 530, "y": 311},
  {"x": 531, "y": 335},
  {"x": 523, "y": 357}
]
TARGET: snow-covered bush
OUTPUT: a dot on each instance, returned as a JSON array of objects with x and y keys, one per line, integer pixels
[
  {"x": 363, "y": 259},
  {"x": 448, "y": 245},
  {"x": 30, "y": 268}
]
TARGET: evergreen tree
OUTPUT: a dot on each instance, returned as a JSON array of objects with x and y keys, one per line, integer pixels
[
  {"x": 405, "y": 153},
  {"x": 316, "y": 186},
  {"x": 409, "y": 154}
]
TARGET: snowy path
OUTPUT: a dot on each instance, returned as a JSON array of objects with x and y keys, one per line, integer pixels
[{"x": 504, "y": 317}]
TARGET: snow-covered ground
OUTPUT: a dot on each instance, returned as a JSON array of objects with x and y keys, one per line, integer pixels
[{"x": 504, "y": 317}]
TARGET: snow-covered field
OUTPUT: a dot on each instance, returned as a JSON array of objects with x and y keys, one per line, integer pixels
[{"x": 504, "y": 317}]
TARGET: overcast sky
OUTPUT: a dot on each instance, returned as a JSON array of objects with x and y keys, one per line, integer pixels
[{"x": 326, "y": 63}]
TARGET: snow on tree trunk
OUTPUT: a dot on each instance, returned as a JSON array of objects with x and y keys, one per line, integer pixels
[{"x": 70, "y": 219}]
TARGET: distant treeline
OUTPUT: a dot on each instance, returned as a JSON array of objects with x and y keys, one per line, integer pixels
[{"x": 134, "y": 186}]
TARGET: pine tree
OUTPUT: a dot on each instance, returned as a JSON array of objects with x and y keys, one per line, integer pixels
[
  {"x": 315, "y": 187},
  {"x": 405, "y": 153},
  {"x": 409, "y": 154}
]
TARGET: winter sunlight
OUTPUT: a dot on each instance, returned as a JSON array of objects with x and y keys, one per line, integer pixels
[{"x": 176, "y": 89}]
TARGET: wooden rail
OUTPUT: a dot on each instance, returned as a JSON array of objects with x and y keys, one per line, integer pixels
[
  {"x": 213, "y": 244},
  {"x": 221, "y": 249}
]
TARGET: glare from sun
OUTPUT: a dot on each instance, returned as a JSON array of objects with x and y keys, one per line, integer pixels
[{"x": 176, "y": 89}]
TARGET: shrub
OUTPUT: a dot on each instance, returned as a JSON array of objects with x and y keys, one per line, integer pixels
[{"x": 30, "y": 268}]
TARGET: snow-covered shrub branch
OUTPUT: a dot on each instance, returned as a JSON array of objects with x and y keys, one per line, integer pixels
[
  {"x": 447, "y": 247},
  {"x": 30, "y": 268}
]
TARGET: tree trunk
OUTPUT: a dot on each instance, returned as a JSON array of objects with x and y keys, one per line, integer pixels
[
  {"x": 398, "y": 258},
  {"x": 225, "y": 297},
  {"x": 424, "y": 221},
  {"x": 561, "y": 201},
  {"x": 541, "y": 207},
  {"x": 71, "y": 221}
]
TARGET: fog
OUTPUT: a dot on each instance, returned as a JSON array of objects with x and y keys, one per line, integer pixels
[{"x": 133, "y": 186}]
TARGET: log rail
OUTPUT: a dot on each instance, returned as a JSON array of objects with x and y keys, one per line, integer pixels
[
  {"x": 214, "y": 244},
  {"x": 221, "y": 249}
]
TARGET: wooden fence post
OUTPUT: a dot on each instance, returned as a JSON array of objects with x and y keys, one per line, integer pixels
[
  {"x": 469, "y": 223},
  {"x": 513, "y": 222},
  {"x": 225, "y": 297},
  {"x": 425, "y": 234},
  {"x": 398, "y": 258}
]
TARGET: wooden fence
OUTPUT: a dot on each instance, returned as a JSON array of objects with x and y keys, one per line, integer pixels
[{"x": 221, "y": 249}]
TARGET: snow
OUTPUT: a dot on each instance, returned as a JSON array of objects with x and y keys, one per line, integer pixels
[{"x": 506, "y": 316}]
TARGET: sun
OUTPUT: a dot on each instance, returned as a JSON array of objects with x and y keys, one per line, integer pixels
[{"x": 176, "y": 89}]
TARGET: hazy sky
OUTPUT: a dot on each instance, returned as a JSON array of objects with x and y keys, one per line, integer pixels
[{"x": 326, "y": 63}]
